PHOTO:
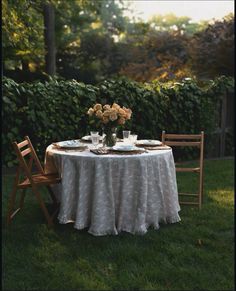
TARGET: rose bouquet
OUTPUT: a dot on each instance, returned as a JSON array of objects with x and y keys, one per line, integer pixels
[{"x": 110, "y": 116}]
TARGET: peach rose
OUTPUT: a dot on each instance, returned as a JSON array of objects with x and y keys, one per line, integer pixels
[
  {"x": 113, "y": 116},
  {"x": 105, "y": 119},
  {"x": 106, "y": 107},
  {"x": 128, "y": 112},
  {"x": 115, "y": 106},
  {"x": 97, "y": 107},
  {"x": 128, "y": 116},
  {"x": 107, "y": 113},
  {"x": 99, "y": 114},
  {"x": 90, "y": 112},
  {"x": 112, "y": 113},
  {"x": 122, "y": 112}
]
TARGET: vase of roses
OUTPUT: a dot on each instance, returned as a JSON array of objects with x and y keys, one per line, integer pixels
[{"x": 110, "y": 116}]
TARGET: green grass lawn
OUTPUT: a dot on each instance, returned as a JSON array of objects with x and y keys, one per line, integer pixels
[{"x": 195, "y": 254}]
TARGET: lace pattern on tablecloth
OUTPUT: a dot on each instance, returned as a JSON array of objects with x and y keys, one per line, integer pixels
[{"x": 113, "y": 194}]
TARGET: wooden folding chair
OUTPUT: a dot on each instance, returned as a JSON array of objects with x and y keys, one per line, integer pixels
[
  {"x": 193, "y": 140},
  {"x": 27, "y": 157}
]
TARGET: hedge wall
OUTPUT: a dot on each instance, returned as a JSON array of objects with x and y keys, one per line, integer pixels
[{"x": 56, "y": 110}]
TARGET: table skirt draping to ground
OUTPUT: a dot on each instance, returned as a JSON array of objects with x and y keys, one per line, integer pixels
[{"x": 110, "y": 194}]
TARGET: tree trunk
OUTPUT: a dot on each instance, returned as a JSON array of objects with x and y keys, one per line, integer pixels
[
  {"x": 49, "y": 37},
  {"x": 25, "y": 66}
]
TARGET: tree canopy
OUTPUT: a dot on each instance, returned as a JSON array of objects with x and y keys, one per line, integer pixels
[
  {"x": 22, "y": 32},
  {"x": 94, "y": 40},
  {"x": 212, "y": 50},
  {"x": 171, "y": 22}
]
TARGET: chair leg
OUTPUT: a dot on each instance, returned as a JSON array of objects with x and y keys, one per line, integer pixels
[
  {"x": 43, "y": 207},
  {"x": 53, "y": 197},
  {"x": 200, "y": 198},
  {"x": 11, "y": 205},
  {"x": 199, "y": 205},
  {"x": 55, "y": 201},
  {"x": 200, "y": 191},
  {"x": 12, "y": 199},
  {"x": 22, "y": 198}
]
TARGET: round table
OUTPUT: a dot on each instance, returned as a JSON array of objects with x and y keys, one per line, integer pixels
[{"x": 114, "y": 193}]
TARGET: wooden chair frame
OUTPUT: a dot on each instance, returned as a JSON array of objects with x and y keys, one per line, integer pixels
[
  {"x": 31, "y": 180},
  {"x": 192, "y": 140}
]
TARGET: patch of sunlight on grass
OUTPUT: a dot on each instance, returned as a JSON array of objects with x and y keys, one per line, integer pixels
[{"x": 222, "y": 196}]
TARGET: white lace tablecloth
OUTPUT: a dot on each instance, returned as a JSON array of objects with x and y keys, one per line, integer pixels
[{"x": 114, "y": 193}]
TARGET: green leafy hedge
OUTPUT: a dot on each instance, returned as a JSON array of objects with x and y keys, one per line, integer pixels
[{"x": 56, "y": 110}]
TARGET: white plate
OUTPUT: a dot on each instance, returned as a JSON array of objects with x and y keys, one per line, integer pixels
[
  {"x": 125, "y": 148},
  {"x": 148, "y": 142},
  {"x": 69, "y": 144},
  {"x": 88, "y": 138}
]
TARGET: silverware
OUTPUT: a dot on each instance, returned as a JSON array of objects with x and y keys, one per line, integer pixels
[
  {"x": 158, "y": 148},
  {"x": 100, "y": 151}
]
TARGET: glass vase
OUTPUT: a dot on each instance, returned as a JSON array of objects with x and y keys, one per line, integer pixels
[{"x": 109, "y": 139}]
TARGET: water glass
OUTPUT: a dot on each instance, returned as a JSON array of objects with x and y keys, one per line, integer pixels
[
  {"x": 126, "y": 134},
  {"x": 95, "y": 140},
  {"x": 133, "y": 138},
  {"x": 94, "y": 133}
]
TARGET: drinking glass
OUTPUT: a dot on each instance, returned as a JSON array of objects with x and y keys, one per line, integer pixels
[
  {"x": 126, "y": 134},
  {"x": 94, "y": 133},
  {"x": 133, "y": 138},
  {"x": 95, "y": 140}
]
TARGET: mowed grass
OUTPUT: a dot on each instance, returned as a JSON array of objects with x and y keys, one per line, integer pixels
[{"x": 195, "y": 254}]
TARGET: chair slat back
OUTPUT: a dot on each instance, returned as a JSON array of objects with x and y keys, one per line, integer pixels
[
  {"x": 181, "y": 136},
  {"x": 24, "y": 149},
  {"x": 25, "y": 152},
  {"x": 193, "y": 140},
  {"x": 180, "y": 139},
  {"x": 22, "y": 144},
  {"x": 35, "y": 157},
  {"x": 183, "y": 143}
]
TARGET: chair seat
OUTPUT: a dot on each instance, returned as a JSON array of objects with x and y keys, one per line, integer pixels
[
  {"x": 46, "y": 179},
  {"x": 188, "y": 170}
]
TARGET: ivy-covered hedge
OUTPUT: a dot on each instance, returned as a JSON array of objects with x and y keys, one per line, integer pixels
[{"x": 56, "y": 110}]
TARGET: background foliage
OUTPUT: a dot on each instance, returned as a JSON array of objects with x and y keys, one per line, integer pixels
[
  {"x": 94, "y": 41},
  {"x": 56, "y": 110},
  {"x": 99, "y": 47},
  {"x": 212, "y": 50}
]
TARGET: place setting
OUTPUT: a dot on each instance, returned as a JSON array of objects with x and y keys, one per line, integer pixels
[
  {"x": 89, "y": 138},
  {"x": 79, "y": 144},
  {"x": 144, "y": 144},
  {"x": 118, "y": 150},
  {"x": 69, "y": 145},
  {"x": 151, "y": 144}
]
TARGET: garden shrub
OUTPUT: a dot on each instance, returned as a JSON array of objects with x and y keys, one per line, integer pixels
[{"x": 57, "y": 109}]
